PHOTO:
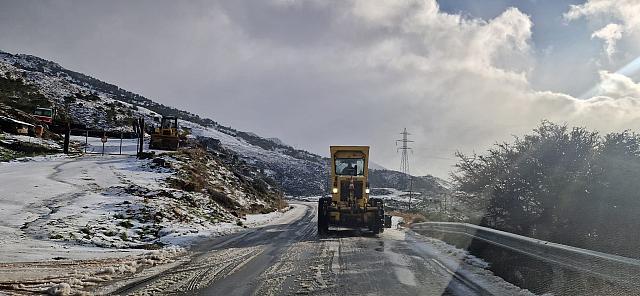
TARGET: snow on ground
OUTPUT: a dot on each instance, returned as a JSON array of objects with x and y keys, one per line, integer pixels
[
  {"x": 112, "y": 146},
  {"x": 457, "y": 260},
  {"x": 115, "y": 145},
  {"x": 69, "y": 206},
  {"x": 87, "y": 211},
  {"x": 451, "y": 258},
  {"x": 305, "y": 198},
  {"x": 28, "y": 139},
  {"x": 262, "y": 219},
  {"x": 73, "y": 276},
  {"x": 395, "y": 195},
  {"x": 43, "y": 203},
  {"x": 459, "y": 254},
  {"x": 396, "y": 221},
  {"x": 178, "y": 235},
  {"x": 237, "y": 144}
]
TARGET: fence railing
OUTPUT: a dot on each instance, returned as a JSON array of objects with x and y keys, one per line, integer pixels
[
  {"x": 606, "y": 266},
  {"x": 111, "y": 143}
]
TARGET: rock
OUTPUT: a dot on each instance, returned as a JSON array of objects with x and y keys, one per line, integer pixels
[
  {"x": 159, "y": 162},
  {"x": 147, "y": 155}
]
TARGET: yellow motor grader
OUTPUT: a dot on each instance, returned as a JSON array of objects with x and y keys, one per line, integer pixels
[{"x": 349, "y": 205}]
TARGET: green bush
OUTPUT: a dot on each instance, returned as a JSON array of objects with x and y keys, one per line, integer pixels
[{"x": 567, "y": 185}]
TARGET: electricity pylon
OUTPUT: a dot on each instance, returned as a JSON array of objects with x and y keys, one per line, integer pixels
[{"x": 404, "y": 162}]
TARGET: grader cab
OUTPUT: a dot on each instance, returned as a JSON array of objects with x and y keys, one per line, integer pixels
[{"x": 350, "y": 205}]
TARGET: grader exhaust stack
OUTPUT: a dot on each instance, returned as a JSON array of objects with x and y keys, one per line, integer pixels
[{"x": 349, "y": 204}]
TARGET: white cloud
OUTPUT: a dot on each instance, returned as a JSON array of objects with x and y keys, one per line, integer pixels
[
  {"x": 625, "y": 12},
  {"x": 610, "y": 33},
  {"x": 462, "y": 83},
  {"x": 316, "y": 73},
  {"x": 383, "y": 12},
  {"x": 617, "y": 86},
  {"x": 455, "y": 82}
]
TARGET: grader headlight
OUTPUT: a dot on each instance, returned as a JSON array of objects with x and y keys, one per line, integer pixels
[
  {"x": 334, "y": 190},
  {"x": 367, "y": 191}
]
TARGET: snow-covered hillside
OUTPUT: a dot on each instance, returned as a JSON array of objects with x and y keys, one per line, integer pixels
[
  {"x": 93, "y": 104},
  {"x": 296, "y": 175},
  {"x": 427, "y": 185}
]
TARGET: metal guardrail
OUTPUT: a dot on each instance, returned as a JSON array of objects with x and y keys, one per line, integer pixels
[{"x": 602, "y": 265}]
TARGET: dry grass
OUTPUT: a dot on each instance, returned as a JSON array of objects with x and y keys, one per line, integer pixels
[{"x": 194, "y": 176}]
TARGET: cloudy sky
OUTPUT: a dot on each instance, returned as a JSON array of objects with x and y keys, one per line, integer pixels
[{"x": 459, "y": 75}]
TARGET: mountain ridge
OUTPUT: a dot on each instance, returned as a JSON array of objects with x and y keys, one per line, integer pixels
[{"x": 94, "y": 104}]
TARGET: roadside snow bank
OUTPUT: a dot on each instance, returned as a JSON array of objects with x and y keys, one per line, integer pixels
[
  {"x": 75, "y": 277},
  {"x": 61, "y": 289},
  {"x": 461, "y": 263},
  {"x": 186, "y": 236}
]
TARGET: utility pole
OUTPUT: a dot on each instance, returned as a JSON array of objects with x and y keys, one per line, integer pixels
[
  {"x": 141, "y": 127},
  {"x": 67, "y": 132},
  {"x": 404, "y": 162}
]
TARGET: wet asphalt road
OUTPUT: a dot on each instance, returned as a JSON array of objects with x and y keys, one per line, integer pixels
[{"x": 290, "y": 259}]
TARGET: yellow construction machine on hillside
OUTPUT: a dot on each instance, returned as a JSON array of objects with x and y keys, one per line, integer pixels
[
  {"x": 350, "y": 205},
  {"x": 165, "y": 137}
]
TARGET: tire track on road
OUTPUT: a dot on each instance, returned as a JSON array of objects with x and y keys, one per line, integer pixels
[
  {"x": 211, "y": 266},
  {"x": 195, "y": 274},
  {"x": 291, "y": 259}
]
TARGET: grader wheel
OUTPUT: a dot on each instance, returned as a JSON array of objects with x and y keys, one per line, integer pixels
[{"x": 323, "y": 218}]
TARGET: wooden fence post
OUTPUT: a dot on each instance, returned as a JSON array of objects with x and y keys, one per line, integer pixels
[
  {"x": 67, "y": 137},
  {"x": 141, "y": 137}
]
